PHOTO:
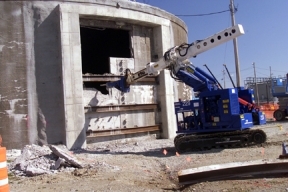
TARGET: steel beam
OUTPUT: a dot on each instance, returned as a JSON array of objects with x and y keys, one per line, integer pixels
[
  {"x": 232, "y": 170},
  {"x": 122, "y": 131},
  {"x": 113, "y": 108},
  {"x": 107, "y": 78}
]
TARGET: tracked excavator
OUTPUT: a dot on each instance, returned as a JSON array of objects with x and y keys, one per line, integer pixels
[{"x": 219, "y": 117}]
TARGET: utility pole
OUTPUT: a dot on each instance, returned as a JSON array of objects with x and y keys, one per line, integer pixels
[
  {"x": 237, "y": 65},
  {"x": 271, "y": 82},
  {"x": 268, "y": 86},
  {"x": 256, "y": 87},
  {"x": 224, "y": 78}
]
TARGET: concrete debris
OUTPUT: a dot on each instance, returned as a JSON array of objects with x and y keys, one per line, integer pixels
[
  {"x": 32, "y": 170},
  {"x": 59, "y": 162},
  {"x": 36, "y": 160},
  {"x": 60, "y": 153},
  {"x": 31, "y": 152},
  {"x": 13, "y": 154}
]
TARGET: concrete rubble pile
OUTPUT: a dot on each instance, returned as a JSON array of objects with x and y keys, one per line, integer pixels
[{"x": 36, "y": 160}]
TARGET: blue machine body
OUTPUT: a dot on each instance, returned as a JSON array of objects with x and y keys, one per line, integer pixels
[
  {"x": 215, "y": 110},
  {"x": 120, "y": 85}
]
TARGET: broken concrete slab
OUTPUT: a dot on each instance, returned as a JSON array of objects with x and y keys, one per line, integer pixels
[
  {"x": 37, "y": 160},
  {"x": 31, "y": 170},
  {"x": 232, "y": 170},
  {"x": 30, "y": 152},
  {"x": 32, "y": 167},
  {"x": 60, "y": 161},
  {"x": 60, "y": 153}
]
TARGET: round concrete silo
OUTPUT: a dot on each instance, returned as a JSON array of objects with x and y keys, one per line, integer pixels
[{"x": 46, "y": 48}]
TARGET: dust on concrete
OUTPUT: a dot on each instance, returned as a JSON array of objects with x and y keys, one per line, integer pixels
[{"x": 152, "y": 165}]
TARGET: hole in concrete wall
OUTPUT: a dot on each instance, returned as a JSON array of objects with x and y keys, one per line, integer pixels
[
  {"x": 98, "y": 44},
  {"x": 96, "y": 85}
]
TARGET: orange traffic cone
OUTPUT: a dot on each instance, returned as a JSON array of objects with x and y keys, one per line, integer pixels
[{"x": 4, "y": 186}]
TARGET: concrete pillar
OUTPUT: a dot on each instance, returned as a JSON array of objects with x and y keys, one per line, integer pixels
[
  {"x": 72, "y": 80},
  {"x": 165, "y": 91},
  {"x": 166, "y": 101}
]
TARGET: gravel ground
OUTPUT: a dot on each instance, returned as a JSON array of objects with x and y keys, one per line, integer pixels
[{"x": 152, "y": 165}]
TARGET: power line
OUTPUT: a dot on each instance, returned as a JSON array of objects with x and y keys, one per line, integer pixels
[
  {"x": 248, "y": 74},
  {"x": 245, "y": 69},
  {"x": 268, "y": 69},
  {"x": 241, "y": 70},
  {"x": 262, "y": 68},
  {"x": 263, "y": 74},
  {"x": 277, "y": 71},
  {"x": 205, "y": 14}
]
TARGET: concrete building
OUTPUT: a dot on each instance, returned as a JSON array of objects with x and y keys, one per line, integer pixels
[{"x": 54, "y": 57}]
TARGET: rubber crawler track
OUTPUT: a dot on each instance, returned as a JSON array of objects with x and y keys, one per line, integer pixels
[{"x": 194, "y": 142}]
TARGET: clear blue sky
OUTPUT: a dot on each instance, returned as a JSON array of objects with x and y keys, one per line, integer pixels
[{"x": 265, "y": 41}]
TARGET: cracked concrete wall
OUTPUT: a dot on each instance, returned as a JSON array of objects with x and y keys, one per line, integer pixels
[
  {"x": 13, "y": 74},
  {"x": 30, "y": 67}
]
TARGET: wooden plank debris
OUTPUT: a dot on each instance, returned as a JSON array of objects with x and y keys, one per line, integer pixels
[{"x": 232, "y": 170}]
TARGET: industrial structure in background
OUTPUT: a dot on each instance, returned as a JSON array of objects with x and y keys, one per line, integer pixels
[
  {"x": 264, "y": 89},
  {"x": 219, "y": 117},
  {"x": 272, "y": 95}
]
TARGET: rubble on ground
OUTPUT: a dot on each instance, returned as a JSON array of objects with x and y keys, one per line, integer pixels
[{"x": 36, "y": 160}]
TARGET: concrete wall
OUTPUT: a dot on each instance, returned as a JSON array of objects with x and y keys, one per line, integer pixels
[
  {"x": 41, "y": 94},
  {"x": 13, "y": 77},
  {"x": 30, "y": 60},
  {"x": 139, "y": 94}
]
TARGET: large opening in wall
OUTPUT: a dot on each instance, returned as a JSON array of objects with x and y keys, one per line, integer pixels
[{"x": 98, "y": 44}]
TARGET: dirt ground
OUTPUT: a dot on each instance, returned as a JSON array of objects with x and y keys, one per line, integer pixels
[{"x": 144, "y": 166}]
